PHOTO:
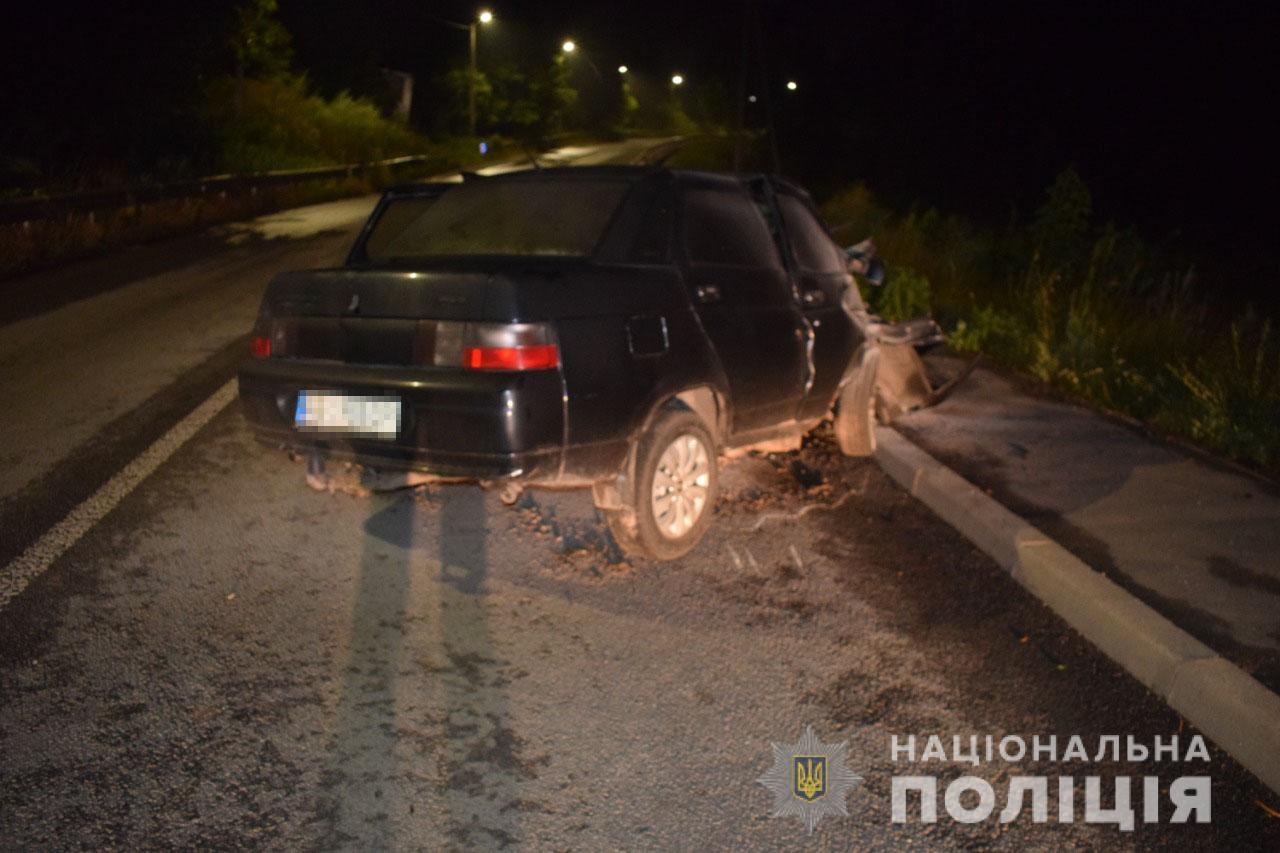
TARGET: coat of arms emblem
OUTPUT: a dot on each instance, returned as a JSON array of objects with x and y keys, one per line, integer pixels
[{"x": 809, "y": 779}]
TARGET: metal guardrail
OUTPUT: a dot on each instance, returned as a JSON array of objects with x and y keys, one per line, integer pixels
[
  {"x": 51, "y": 207},
  {"x": 59, "y": 206}
]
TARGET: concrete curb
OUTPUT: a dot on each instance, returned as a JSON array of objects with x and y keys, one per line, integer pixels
[{"x": 1216, "y": 696}]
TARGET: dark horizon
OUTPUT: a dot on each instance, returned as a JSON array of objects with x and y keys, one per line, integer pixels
[{"x": 973, "y": 108}]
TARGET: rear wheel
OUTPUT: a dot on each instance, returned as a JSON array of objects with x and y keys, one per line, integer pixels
[
  {"x": 855, "y": 421},
  {"x": 667, "y": 506}
]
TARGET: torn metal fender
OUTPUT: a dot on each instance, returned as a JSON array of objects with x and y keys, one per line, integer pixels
[{"x": 902, "y": 384}]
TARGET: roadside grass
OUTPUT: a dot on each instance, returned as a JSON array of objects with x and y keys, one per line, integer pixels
[
  {"x": 251, "y": 126},
  {"x": 29, "y": 246},
  {"x": 33, "y": 245},
  {"x": 1090, "y": 310}
]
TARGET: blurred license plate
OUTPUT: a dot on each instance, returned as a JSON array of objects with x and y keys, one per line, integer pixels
[{"x": 357, "y": 414}]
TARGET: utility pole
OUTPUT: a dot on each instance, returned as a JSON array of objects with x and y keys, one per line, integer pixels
[
  {"x": 740, "y": 112},
  {"x": 471, "y": 81},
  {"x": 472, "y": 28},
  {"x": 764, "y": 94}
]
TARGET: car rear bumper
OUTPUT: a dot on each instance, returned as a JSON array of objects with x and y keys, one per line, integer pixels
[{"x": 455, "y": 423}]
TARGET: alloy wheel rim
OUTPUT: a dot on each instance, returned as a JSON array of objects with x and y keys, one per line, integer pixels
[{"x": 681, "y": 485}]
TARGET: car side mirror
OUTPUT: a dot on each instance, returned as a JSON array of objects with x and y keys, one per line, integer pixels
[{"x": 862, "y": 261}]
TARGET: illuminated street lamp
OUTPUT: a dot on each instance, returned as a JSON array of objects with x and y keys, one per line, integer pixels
[
  {"x": 677, "y": 79},
  {"x": 484, "y": 16},
  {"x": 791, "y": 86},
  {"x": 622, "y": 69},
  {"x": 570, "y": 48}
]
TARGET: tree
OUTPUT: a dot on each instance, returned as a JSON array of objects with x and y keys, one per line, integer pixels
[
  {"x": 262, "y": 47},
  {"x": 458, "y": 82},
  {"x": 532, "y": 105},
  {"x": 508, "y": 106},
  {"x": 628, "y": 105},
  {"x": 1062, "y": 221},
  {"x": 555, "y": 96}
]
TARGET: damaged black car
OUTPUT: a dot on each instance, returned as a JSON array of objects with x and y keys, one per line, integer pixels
[{"x": 612, "y": 328}]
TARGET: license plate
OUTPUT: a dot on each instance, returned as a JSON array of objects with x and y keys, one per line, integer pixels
[{"x": 355, "y": 414}]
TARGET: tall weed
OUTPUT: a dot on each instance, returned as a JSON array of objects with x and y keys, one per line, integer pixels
[{"x": 1090, "y": 309}]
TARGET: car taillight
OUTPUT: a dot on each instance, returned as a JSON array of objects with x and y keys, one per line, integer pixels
[
  {"x": 487, "y": 346},
  {"x": 539, "y": 357},
  {"x": 271, "y": 337}
]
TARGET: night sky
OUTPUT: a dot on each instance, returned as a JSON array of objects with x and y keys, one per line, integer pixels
[{"x": 1165, "y": 109}]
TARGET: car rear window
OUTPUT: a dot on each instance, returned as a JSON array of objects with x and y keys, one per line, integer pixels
[{"x": 527, "y": 217}]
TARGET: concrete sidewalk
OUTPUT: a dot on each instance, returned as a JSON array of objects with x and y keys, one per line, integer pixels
[{"x": 1196, "y": 541}]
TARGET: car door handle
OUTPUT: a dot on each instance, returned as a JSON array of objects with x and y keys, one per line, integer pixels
[
  {"x": 813, "y": 297},
  {"x": 707, "y": 293}
]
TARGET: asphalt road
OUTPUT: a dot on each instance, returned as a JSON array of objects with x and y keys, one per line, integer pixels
[{"x": 228, "y": 658}]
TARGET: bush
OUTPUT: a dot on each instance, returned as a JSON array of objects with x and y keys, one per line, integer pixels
[
  {"x": 1229, "y": 397},
  {"x": 904, "y": 294},
  {"x": 263, "y": 125},
  {"x": 1093, "y": 311}
]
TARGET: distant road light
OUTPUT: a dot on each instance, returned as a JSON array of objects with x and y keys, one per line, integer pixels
[
  {"x": 751, "y": 99},
  {"x": 791, "y": 85},
  {"x": 677, "y": 80},
  {"x": 486, "y": 17},
  {"x": 568, "y": 46},
  {"x": 622, "y": 69}
]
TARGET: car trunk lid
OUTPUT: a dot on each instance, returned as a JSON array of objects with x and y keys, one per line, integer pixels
[{"x": 367, "y": 317}]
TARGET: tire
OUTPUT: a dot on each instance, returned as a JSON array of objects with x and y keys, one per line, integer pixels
[
  {"x": 677, "y": 459},
  {"x": 855, "y": 421}
]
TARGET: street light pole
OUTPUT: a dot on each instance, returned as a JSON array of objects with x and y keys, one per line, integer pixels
[
  {"x": 472, "y": 28},
  {"x": 471, "y": 81},
  {"x": 570, "y": 47}
]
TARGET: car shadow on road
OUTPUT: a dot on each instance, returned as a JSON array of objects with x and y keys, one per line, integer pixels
[
  {"x": 361, "y": 773},
  {"x": 422, "y": 748},
  {"x": 482, "y": 761}
]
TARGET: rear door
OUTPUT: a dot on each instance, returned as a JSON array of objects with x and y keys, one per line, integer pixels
[
  {"x": 743, "y": 297},
  {"x": 821, "y": 279}
]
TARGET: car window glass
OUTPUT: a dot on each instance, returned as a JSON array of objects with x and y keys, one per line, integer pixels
[
  {"x": 651, "y": 246},
  {"x": 761, "y": 195},
  {"x": 505, "y": 217},
  {"x": 396, "y": 217},
  {"x": 814, "y": 250},
  {"x": 724, "y": 227}
]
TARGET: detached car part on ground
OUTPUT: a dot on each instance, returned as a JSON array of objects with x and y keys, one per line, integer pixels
[{"x": 616, "y": 328}]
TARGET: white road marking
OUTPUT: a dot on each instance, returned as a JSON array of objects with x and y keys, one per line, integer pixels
[
  {"x": 61, "y": 536},
  {"x": 55, "y": 541}
]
